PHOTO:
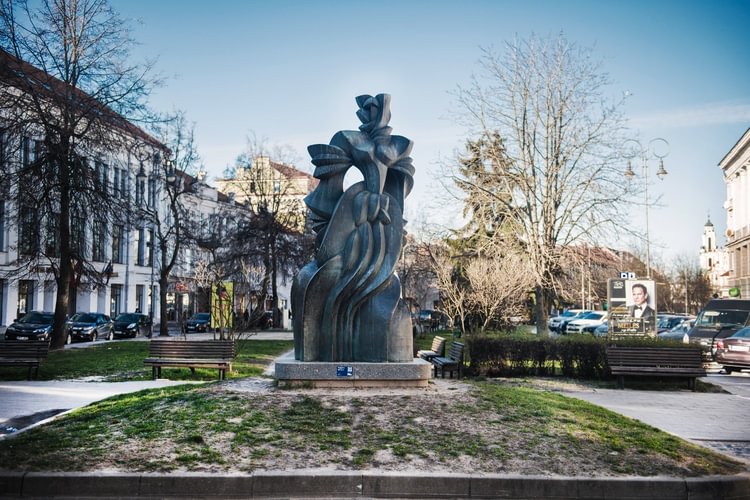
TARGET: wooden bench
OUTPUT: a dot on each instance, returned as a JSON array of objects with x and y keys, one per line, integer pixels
[
  {"x": 656, "y": 362},
  {"x": 190, "y": 354},
  {"x": 437, "y": 349},
  {"x": 28, "y": 353},
  {"x": 453, "y": 362}
]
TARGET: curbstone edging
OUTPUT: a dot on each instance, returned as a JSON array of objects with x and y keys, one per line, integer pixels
[{"x": 346, "y": 484}]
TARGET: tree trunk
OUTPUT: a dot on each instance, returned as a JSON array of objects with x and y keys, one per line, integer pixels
[
  {"x": 163, "y": 282},
  {"x": 541, "y": 310}
]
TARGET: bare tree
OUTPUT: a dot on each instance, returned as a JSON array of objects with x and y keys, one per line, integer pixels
[
  {"x": 551, "y": 163},
  {"x": 271, "y": 232},
  {"x": 67, "y": 90},
  {"x": 170, "y": 219},
  {"x": 451, "y": 284},
  {"x": 498, "y": 287},
  {"x": 690, "y": 284}
]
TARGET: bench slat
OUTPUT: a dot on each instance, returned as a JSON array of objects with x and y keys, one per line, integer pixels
[
  {"x": 28, "y": 353},
  {"x": 453, "y": 362},
  {"x": 655, "y": 361},
  {"x": 191, "y": 354}
]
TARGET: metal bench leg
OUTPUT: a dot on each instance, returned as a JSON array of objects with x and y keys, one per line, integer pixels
[{"x": 621, "y": 382}]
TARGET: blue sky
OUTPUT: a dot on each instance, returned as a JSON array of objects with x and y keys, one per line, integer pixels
[{"x": 288, "y": 71}]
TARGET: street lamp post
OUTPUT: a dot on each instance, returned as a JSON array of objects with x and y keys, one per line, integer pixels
[{"x": 657, "y": 148}]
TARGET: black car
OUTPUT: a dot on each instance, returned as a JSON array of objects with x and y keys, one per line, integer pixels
[
  {"x": 199, "y": 322},
  {"x": 32, "y": 326},
  {"x": 719, "y": 319},
  {"x": 132, "y": 325},
  {"x": 89, "y": 326}
]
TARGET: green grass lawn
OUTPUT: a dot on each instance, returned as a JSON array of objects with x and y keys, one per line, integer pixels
[
  {"x": 494, "y": 427},
  {"x": 122, "y": 361}
]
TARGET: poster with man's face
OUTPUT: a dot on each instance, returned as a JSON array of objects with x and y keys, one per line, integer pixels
[{"x": 632, "y": 307}]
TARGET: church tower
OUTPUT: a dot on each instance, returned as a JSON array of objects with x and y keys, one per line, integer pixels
[{"x": 714, "y": 261}]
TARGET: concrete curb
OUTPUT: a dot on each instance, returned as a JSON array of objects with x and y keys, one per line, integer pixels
[{"x": 367, "y": 485}]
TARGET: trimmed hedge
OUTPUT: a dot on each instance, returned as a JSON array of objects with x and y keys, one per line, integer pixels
[{"x": 575, "y": 356}]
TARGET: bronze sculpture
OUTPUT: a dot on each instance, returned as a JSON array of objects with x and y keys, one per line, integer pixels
[{"x": 346, "y": 302}]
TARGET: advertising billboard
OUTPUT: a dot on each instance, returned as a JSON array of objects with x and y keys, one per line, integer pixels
[
  {"x": 632, "y": 307},
  {"x": 222, "y": 298}
]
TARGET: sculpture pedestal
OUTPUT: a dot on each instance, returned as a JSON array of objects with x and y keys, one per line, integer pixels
[{"x": 294, "y": 373}]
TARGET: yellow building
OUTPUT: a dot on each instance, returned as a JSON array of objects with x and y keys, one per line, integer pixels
[{"x": 274, "y": 187}]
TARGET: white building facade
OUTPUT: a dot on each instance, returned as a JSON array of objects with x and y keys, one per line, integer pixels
[{"x": 735, "y": 166}]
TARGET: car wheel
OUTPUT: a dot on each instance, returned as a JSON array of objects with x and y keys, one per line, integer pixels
[
  {"x": 69, "y": 339},
  {"x": 728, "y": 370}
]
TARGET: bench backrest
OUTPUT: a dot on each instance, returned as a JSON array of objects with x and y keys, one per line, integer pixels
[
  {"x": 655, "y": 356},
  {"x": 24, "y": 349},
  {"x": 438, "y": 345},
  {"x": 456, "y": 352},
  {"x": 208, "y": 349}
]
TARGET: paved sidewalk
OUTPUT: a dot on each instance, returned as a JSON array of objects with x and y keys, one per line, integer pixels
[{"x": 714, "y": 420}]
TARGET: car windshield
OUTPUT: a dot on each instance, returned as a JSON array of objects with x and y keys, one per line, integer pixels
[
  {"x": 37, "y": 318},
  {"x": 83, "y": 318},
  {"x": 716, "y": 319},
  {"x": 569, "y": 314},
  {"x": 664, "y": 322},
  {"x": 127, "y": 318},
  {"x": 592, "y": 315},
  {"x": 202, "y": 317},
  {"x": 742, "y": 334}
]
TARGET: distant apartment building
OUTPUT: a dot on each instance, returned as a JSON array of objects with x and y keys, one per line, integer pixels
[
  {"x": 735, "y": 166},
  {"x": 281, "y": 188}
]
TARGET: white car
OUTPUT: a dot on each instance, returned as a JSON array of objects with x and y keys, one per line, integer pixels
[
  {"x": 587, "y": 323},
  {"x": 554, "y": 323}
]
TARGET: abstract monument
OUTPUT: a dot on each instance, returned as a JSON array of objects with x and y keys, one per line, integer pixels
[{"x": 347, "y": 302}]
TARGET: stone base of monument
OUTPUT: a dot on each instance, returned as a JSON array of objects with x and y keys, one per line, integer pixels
[{"x": 350, "y": 375}]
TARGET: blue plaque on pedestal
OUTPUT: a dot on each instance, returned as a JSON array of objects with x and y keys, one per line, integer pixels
[{"x": 344, "y": 371}]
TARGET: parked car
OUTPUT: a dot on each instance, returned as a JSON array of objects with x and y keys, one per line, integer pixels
[
  {"x": 587, "y": 323},
  {"x": 432, "y": 320},
  {"x": 31, "y": 326},
  {"x": 719, "y": 319},
  {"x": 562, "y": 329},
  {"x": 665, "y": 322},
  {"x": 678, "y": 332},
  {"x": 198, "y": 322},
  {"x": 132, "y": 325},
  {"x": 89, "y": 326},
  {"x": 733, "y": 353},
  {"x": 554, "y": 322},
  {"x": 601, "y": 330}
]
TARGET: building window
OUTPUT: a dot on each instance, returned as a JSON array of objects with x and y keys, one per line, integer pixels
[
  {"x": 115, "y": 301},
  {"x": 140, "y": 187},
  {"x": 25, "y": 297},
  {"x": 52, "y": 240},
  {"x": 140, "y": 244},
  {"x": 28, "y": 231},
  {"x": 119, "y": 182},
  {"x": 140, "y": 292},
  {"x": 99, "y": 240},
  {"x": 101, "y": 176},
  {"x": 150, "y": 248},
  {"x": 118, "y": 244},
  {"x": 78, "y": 235},
  {"x": 151, "y": 192},
  {"x": 276, "y": 186},
  {"x": 26, "y": 150},
  {"x": 2, "y": 226}
]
